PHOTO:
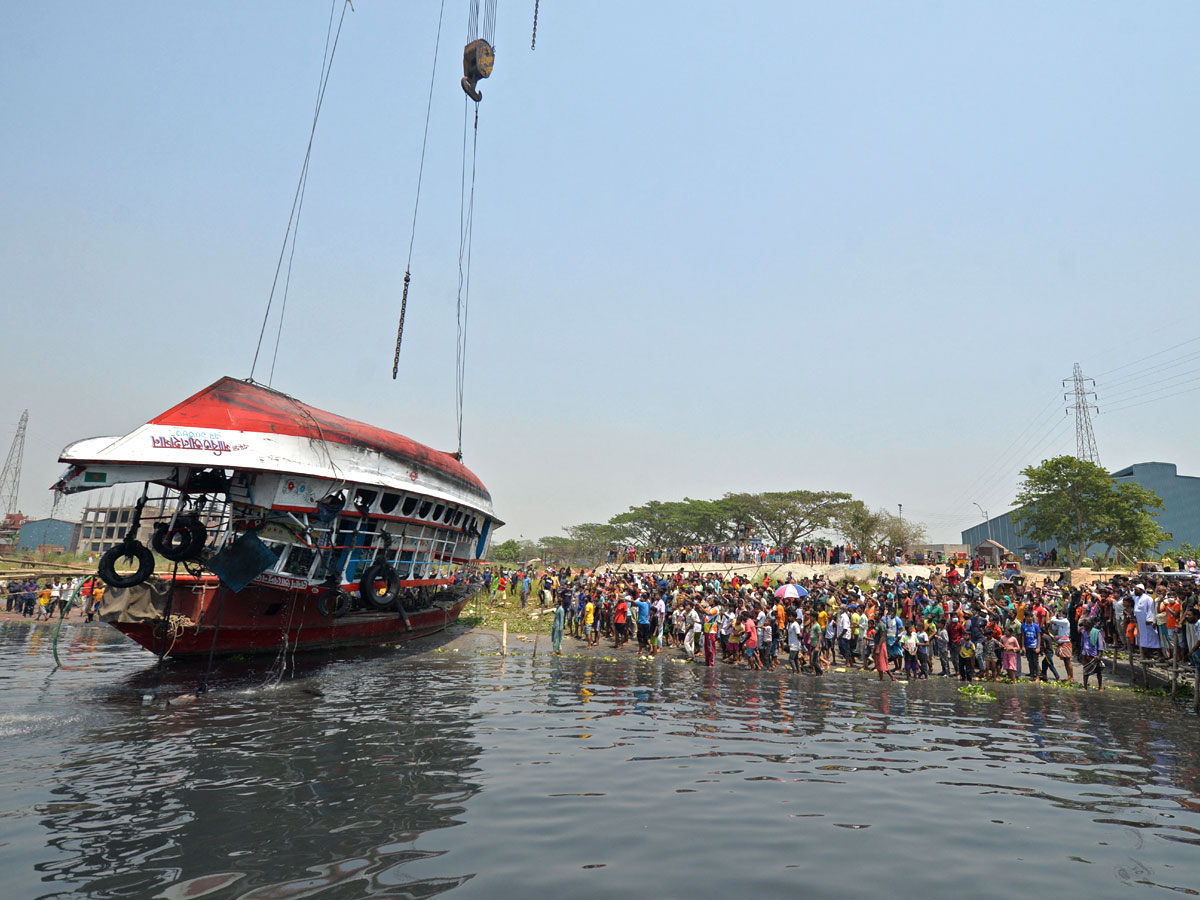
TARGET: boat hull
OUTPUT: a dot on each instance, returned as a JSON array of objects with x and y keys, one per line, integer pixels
[{"x": 209, "y": 618}]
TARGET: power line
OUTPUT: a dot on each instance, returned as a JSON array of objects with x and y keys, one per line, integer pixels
[
  {"x": 1143, "y": 389},
  {"x": 1143, "y": 401},
  {"x": 1057, "y": 430},
  {"x": 1150, "y": 370},
  {"x": 1164, "y": 350},
  {"x": 1000, "y": 463}
]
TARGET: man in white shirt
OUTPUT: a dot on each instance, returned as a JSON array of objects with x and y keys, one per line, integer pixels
[
  {"x": 794, "y": 641},
  {"x": 1060, "y": 632},
  {"x": 1143, "y": 614},
  {"x": 691, "y": 624},
  {"x": 843, "y": 637}
]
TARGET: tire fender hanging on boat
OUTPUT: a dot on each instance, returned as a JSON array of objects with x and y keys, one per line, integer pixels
[
  {"x": 128, "y": 549},
  {"x": 183, "y": 542},
  {"x": 334, "y": 603},
  {"x": 379, "y": 571}
]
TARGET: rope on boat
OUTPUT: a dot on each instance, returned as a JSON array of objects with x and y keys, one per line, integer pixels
[
  {"x": 165, "y": 627},
  {"x": 213, "y": 646}
]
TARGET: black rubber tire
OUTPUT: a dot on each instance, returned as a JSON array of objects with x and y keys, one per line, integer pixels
[
  {"x": 135, "y": 550},
  {"x": 379, "y": 571},
  {"x": 333, "y": 604},
  {"x": 184, "y": 542}
]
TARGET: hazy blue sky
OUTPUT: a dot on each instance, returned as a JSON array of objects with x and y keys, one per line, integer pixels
[{"x": 718, "y": 246}]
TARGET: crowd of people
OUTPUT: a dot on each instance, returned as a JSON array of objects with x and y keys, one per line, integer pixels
[
  {"x": 906, "y": 626},
  {"x": 51, "y": 598},
  {"x": 740, "y": 553}
]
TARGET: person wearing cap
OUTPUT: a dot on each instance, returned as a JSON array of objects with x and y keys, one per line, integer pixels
[{"x": 1144, "y": 615}]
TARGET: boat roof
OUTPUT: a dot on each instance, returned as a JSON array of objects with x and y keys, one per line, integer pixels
[{"x": 232, "y": 404}]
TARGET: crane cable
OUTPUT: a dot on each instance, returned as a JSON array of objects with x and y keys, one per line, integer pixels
[
  {"x": 477, "y": 28},
  {"x": 466, "y": 221},
  {"x": 417, "y": 202},
  {"x": 298, "y": 198}
]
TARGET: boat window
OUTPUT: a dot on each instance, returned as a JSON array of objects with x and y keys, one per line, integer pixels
[
  {"x": 458, "y": 517},
  {"x": 449, "y": 515},
  {"x": 388, "y": 503},
  {"x": 425, "y": 507},
  {"x": 364, "y": 498},
  {"x": 437, "y": 512},
  {"x": 410, "y": 504},
  {"x": 276, "y": 547},
  {"x": 299, "y": 560}
]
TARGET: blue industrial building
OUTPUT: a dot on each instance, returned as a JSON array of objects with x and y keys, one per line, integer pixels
[
  {"x": 48, "y": 533},
  {"x": 1179, "y": 517}
]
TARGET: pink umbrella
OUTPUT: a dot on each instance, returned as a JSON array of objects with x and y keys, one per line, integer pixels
[{"x": 790, "y": 591}]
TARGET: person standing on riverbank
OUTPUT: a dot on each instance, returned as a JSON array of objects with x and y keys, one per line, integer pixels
[
  {"x": 1060, "y": 628},
  {"x": 1147, "y": 626},
  {"x": 591, "y": 635},
  {"x": 1191, "y": 636},
  {"x": 558, "y": 626},
  {"x": 712, "y": 616},
  {"x": 1031, "y": 634},
  {"x": 880, "y": 653},
  {"x": 1011, "y": 648},
  {"x": 1091, "y": 648},
  {"x": 795, "y": 642}
]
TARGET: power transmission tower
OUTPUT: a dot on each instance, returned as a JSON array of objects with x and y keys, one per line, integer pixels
[
  {"x": 10, "y": 479},
  {"x": 1083, "y": 402}
]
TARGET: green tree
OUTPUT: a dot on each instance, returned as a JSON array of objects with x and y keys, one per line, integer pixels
[
  {"x": 556, "y": 550},
  {"x": 508, "y": 552},
  {"x": 785, "y": 518},
  {"x": 1128, "y": 522},
  {"x": 1074, "y": 503},
  {"x": 592, "y": 541},
  {"x": 649, "y": 525},
  {"x": 861, "y": 526},
  {"x": 898, "y": 532}
]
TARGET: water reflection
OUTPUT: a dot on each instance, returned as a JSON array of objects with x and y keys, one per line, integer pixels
[{"x": 319, "y": 786}]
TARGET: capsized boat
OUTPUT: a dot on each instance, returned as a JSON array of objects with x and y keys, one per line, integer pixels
[{"x": 284, "y": 526}]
